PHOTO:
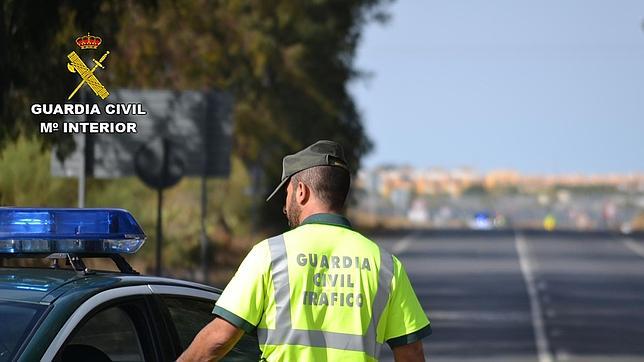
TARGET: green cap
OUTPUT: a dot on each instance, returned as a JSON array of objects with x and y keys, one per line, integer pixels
[{"x": 321, "y": 153}]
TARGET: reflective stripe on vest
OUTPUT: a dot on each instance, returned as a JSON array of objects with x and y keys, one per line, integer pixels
[{"x": 284, "y": 332}]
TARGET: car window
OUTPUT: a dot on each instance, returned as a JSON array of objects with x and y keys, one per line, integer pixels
[
  {"x": 17, "y": 320},
  {"x": 109, "y": 335},
  {"x": 191, "y": 315}
]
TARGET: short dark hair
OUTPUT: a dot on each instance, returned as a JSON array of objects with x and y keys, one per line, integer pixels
[{"x": 329, "y": 183}]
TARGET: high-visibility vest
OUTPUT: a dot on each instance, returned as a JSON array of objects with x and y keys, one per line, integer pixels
[{"x": 322, "y": 292}]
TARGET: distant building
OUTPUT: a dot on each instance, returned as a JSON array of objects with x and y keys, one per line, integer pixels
[{"x": 407, "y": 192}]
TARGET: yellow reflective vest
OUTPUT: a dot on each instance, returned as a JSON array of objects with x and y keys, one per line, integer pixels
[{"x": 323, "y": 292}]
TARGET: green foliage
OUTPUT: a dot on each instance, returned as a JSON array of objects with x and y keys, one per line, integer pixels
[
  {"x": 287, "y": 63},
  {"x": 35, "y": 37},
  {"x": 475, "y": 190},
  {"x": 588, "y": 189},
  {"x": 504, "y": 190},
  {"x": 227, "y": 210},
  {"x": 25, "y": 179}
]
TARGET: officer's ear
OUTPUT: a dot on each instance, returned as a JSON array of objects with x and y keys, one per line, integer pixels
[{"x": 302, "y": 193}]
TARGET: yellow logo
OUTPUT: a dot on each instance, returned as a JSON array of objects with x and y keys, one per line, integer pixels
[{"x": 78, "y": 66}]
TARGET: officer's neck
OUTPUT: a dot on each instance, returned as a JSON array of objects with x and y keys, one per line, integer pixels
[{"x": 316, "y": 208}]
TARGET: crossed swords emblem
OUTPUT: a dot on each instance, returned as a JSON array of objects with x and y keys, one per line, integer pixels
[{"x": 78, "y": 66}]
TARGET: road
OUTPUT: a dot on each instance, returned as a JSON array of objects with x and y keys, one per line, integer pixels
[{"x": 521, "y": 296}]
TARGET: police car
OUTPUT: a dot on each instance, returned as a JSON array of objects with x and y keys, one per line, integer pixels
[{"x": 67, "y": 312}]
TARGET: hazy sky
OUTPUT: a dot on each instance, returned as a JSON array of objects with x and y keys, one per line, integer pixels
[{"x": 538, "y": 86}]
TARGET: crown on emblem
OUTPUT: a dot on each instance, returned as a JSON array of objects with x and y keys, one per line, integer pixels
[{"x": 88, "y": 41}]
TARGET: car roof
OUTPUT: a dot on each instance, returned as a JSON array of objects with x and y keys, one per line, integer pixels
[{"x": 43, "y": 285}]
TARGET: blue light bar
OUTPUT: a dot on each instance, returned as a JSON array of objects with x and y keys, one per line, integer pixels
[{"x": 89, "y": 231}]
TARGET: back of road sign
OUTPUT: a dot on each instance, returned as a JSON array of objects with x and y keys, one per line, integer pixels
[{"x": 199, "y": 125}]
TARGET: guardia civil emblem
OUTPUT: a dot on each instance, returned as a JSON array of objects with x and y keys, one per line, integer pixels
[{"x": 87, "y": 42}]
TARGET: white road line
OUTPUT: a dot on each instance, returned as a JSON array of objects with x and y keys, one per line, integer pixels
[
  {"x": 541, "y": 340},
  {"x": 563, "y": 355},
  {"x": 402, "y": 244},
  {"x": 634, "y": 246}
]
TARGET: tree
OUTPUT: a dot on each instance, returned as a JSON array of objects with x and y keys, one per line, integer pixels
[{"x": 287, "y": 62}]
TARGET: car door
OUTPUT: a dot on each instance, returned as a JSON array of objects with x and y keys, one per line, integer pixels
[
  {"x": 188, "y": 313},
  {"x": 113, "y": 325},
  {"x": 119, "y": 330}
]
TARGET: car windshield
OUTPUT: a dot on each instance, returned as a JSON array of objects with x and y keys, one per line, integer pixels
[{"x": 16, "y": 319}]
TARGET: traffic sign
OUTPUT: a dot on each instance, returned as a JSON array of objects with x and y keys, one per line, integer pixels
[{"x": 198, "y": 125}]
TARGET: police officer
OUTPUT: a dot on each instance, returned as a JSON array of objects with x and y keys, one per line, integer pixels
[{"x": 321, "y": 291}]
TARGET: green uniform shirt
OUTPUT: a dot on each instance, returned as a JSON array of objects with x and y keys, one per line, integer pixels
[{"x": 316, "y": 292}]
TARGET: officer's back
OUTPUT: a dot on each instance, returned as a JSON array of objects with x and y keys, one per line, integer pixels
[{"x": 321, "y": 291}]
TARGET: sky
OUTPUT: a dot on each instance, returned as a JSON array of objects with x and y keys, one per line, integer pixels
[{"x": 551, "y": 86}]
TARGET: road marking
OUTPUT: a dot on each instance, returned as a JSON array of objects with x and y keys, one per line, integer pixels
[
  {"x": 541, "y": 340},
  {"x": 478, "y": 316},
  {"x": 634, "y": 246},
  {"x": 402, "y": 244},
  {"x": 563, "y": 355}
]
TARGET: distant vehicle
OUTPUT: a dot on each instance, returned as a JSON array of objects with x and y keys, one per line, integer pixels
[
  {"x": 482, "y": 221},
  {"x": 76, "y": 314},
  {"x": 549, "y": 222}
]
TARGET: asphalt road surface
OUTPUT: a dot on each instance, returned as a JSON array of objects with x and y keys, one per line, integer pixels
[{"x": 521, "y": 296}]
